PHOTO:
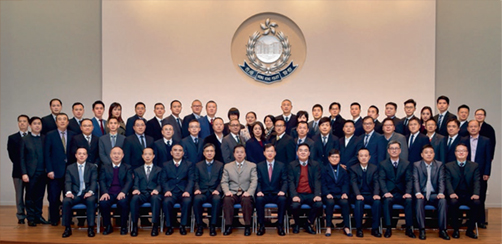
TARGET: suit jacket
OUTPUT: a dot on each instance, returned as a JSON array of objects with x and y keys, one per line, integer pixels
[
  {"x": 246, "y": 179},
  {"x": 356, "y": 178},
  {"x": 285, "y": 148},
  {"x": 254, "y": 151},
  {"x": 205, "y": 182},
  {"x": 186, "y": 122},
  {"x": 97, "y": 127},
  {"x": 319, "y": 151},
  {"x": 30, "y": 155},
  {"x": 307, "y": 141},
  {"x": 153, "y": 129},
  {"x": 420, "y": 177},
  {"x": 105, "y": 147},
  {"x": 450, "y": 151},
  {"x": 377, "y": 145},
  {"x": 442, "y": 129},
  {"x": 106, "y": 178},
  {"x": 78, "y": 141},
  {"x": 437, "y": 142},
  {"x": 227, "y": 147},
  {"x": 130, "y": 123},
  {"x": 337, "y": 126},
  {"x": 378, "y": 126},
  {"x": 402, "y": 127},
  {"x": 404, "y": 144},
  {"x": 415, "y": 150},
  {"x": 279, "y": 180},
  {"x": 162, "y": 151},
  {"x": 463, "y": 129},
  {"x": 178, "y": 179},
  {"x": 292, "y": 122},
  {"x": 483, "y": 154},
  {"x": 359, "y": 127},
  {"x": 133, "y": 150},
  {"x": 171, "y": 120},
  {"x": 348, "y": 154},
  {"x": 48, "y": 124},
  {"x": 333, "y": 186},
  {"x": 315, "y": 180},
  {"x": 55, "y": 157},
  {"x": 471, "y": 176},
  {"x": 193, "y": 153},
  {"x": 400, "y": 181},
  {"x": 74, "y": 126},
  {"x": 14, "y": 149},
  {"x": 144, "y": 185},
  {"x": 72, "y": 179},
  {"x": 313, "y": 131},
  {"x": 217, "y": 144},
  {"x": 488, "y": 131},
  {"x": 206, "y": 128},
  {"x": 397, "y": 121}
]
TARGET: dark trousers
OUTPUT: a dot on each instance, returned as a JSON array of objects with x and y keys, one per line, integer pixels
[
  {"x": 228, "y": 208},
  {"x": 441, "y": 207},
  {"x": 397, "y": 199},
  {"x": 315, "y": 207},
  {"x": 208, "y": 197},
  {"x": 168, "y": 206},
  {"x": 375, "y": 211},
  {"x": 271, "y": 198},
  {"x": 473, "y": 214},
  {"x": 89, "y": 202},
  {"x": 54, "y": 196},
  {"x": 330, "y": 205},
  {"x": 482, "y": 199},
  {"x": 138, "y": 200},
  {"x": 122, "y": 205},
  {"x": 34, "y": 198}
]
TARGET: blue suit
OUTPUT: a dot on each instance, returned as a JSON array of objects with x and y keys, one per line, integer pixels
[
  {"x": 133, "y": 150},
  {"x": 162, "y": 151},
  {"x": 319, "y": 151},
  {"x": 206, "y": 128},
  {"x": 450, "y": 150},
  {"x": 415, "y": 151},
  {"x": 359, "y": 127},
  {"x": 97, "y": 127},
  {"x": 130, "y": 123},
  {"x": 348, "y": 154},
  {"x": 377, "y": 145},
  {"x": 193, "y": 153},
  {"x": 254, "y": 151}
]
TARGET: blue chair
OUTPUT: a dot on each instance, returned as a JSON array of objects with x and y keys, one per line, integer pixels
[
  {"x": 148, "y": 205},
  {"x": 267, "y": 206},
  {"x": 82, "y": 206},
  {"x": 192, "y": 218},
  {"x": 466, "y": 208},
  {"x": 303, "y": 207},
  {"x": 238, "y": 206},
  {"x": 336, "y": 207},
  {"x": 366, "y": 207}
]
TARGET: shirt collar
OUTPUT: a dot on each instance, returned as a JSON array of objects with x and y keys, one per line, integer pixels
[
  {"x": 458, "y": 163},
  {"x": 166, "y": 140},
  {"x": 193, "y": 137},
  {"x": 281, "y": 135},
  {"x": 78, "y": 165},
  {"x": 179, "y": 163},
  {"x": 453, "y": 137},
  {"x": 210, "y": 163},
  {"x": 355, "y": 120},
  {"x": 444, "y": 113},
  {"x": 370, "y": 134},
  {"x": 239, "y": 163},
  {"x": 113, "y": 165},
  {"x": 362, "y": 167},
  {"x": 273, "y": 162},
  {"x": 21, "y": 133},
  {"x": 151, "y": 167},
  {"x": 306, "y": 162}
]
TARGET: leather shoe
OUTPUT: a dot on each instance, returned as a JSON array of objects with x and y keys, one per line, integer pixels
[
  {"x": 67, "y": 232},
  {"x": 54, "y": 223},
  {"x": 443, "y": 234},
  {"x": 359, "y": 233},
  {"x": 212, "y": 231},
  {"x": 200, "y": 230},
  {"x": 169, "y": 231},
  {"x": 90, "y": 232},
  {"x": 41, "y": 220},
  {"x": 108, "y": 230},
  {"x": 261, "y": 230},
  {"x": 456, "y": 234},
  {"x": 308, "y": 228},
  {"x": 296, "y": 229},
  {"x": 421, "y": 234},
  {"x": 482, "y": 225},
  {"x": 134, "y": 231},
  {"x": 183, "y": 231},
  {"x": 471, "y": 234},
  {"x": 228, "y": 230},
  {"x": 247, "y": 231},
  {"x": 21, "y": 222},
  {"x": 410, "y": 233},
  {"x": 388, "y": 233},
  {"x": 155, "y": 230},
  {"x": 376, "y": 233},
  {"x": 123, "y": 230},
  {"x": 32, "y": 223},
  {"x": 280, "y": 230}
]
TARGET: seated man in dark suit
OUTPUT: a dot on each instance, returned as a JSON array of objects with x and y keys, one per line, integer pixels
[
  {"x": 78, "y": 112},
  {"x": 324, "y": 142},
  {"x": 49, "y": 121},
  {"x": 115, "y": 182},
  {"x": 416, "y": 140},
  {"x": 272, "y": 188},
  {"x": 366, "y": 189},
  {"x": 192, "y": 144},
  {"x": 304, "y": 177},
  {"x": 374, "y": 142},
  {"x": 207, "y": 179},
  {"x": 429, "y": 188},
  {"x": 154, "y": 125},
  {"x": 135, "y": 143},
  {"x": 395, "y": 179},
  {"x": 146, "y": 188},
  {"x": 162, "y": 147},
  {"x": 216, "y": 138},
  {"x": 177, "y": 185},
  {"x": 86, "y": 140},
  {"x": 463, "y": 188},
  {"x": 349, "y": 145},
  {"x": 442, "y": 103},
  {"x": 81, "y": 185},
  {"x": 283, "y": 143},
  {"x": 139, "y": 109}
]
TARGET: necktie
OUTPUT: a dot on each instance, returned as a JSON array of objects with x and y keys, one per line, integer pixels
[
  {"x": 101, "y": 125},
  {"x": 428, "y": 187},
  {"x": 239, "y": 167},
  {"x": 270, "y": 171},
  {"x": 24, "y": 134},
  {"x": 449, "y": 143},
  {"x": 462, "y": 165},
  {"x": 277, "y": 138},
  {"x": 196, "y": 141},
  {"x": 411, "y": 141},
  {"x": 440, "y": 121},
  {"x": 168, "y": 143},
  {"x": 115, "y": 167},
  {"x": 209, "y": 168},
  {"x": 81, "y": 178},
  {"x": 366, "y": 139},
  {"x": 315, "y": 126},
  {"x": 212, "y": 121},
  {"x": 406, "y": 122},
  {"x": 177, "y": 164},
  {"x": 286, "y": 119},
  {"x": 299, "y": 141},
  {"x": 63, "y": 140},
  {"x": 114, "y": 140},
  {"x": 88, "y": 140},
  {"x": 324, "y": 140},
  {"x": 178, "y": 121},
  {"x": 148, "y": 172},
  {"x": 395, "y": 164},
  {"x": 238, "y": 139},
  {"x": 364, "y": 169},
  {"x": 143, "y": 144}
]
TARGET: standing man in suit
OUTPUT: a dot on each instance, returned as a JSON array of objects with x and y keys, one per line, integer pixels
[
  {"x": 304, "y": 177},
  {"x": 436, "y": 140},
  {"x": 429, "y": 188},
  {"x": 87, "y": 141},
  {"x": 33, "y": 172},
  {"x": 443, "y": 102},
  {"x": 284, "y": 144},
  {"x": 480, "y": 153},
  {"x": 14, "y": 149},
  {"x": 395, "y": 179},
  {"x": 337, "y": 121},
  {"x": 349, "y": 145},
  {"x": 110, "y": 140},
  {"x": 463, "y": 115},
  {"x": 373, "y": 113},
  {"x": 374, "y": 142},
  {"x": 162, "y": 147},
  {"x": 230, "y": 141},
  {"x": 453, "y": 139},
  {"x": 78, "y": 112},
  {"x": 216, "y": 138},
  {"x": 303, "y": 130},
  {"x": 355, "y": 111},
  {"x": 139, "y": 109},
  {"x": 324, "y": 142},
  {"x": 463, "y": 187},
  {"x": 207, "y": 179},
  {"x": 175, "y": 120},
  {"x": 56, "y": 156},
  {"x": 410, "y": 106},
  {"x": 98, "y": 108},
  {"x": 390, "y": 112},
  {"x": 390, "y": 134},
  {"x": 416, "y": 140},
  {"x": 147, "y": 187},
  {"x": 314, "y": 124},
  {"x": 196, "y": 110},
  {"x": 115, "y": 182},
  {"x": 135, "y": 144},
  {"x": 366, "y": 189},
  {"x": 206, "y": 122},
  {"x": 290, "y": 120},
  {"x": 49, "y": 121},
  {"x": 154, "y": 126},
  {"x": 238, "y": 182},
  {"x": 272, "y": 188},
  {"x": 192, "y": 144},
  {"x": 177, "y": 185},
  {"x": 81, "y": 185},
  {"x": 486, "y": 129}
]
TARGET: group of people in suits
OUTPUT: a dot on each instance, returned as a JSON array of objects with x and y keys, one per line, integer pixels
[{"x": 287, "y": 160}]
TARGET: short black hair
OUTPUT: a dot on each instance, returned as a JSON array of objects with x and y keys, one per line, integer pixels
[
  {"x": 392, "y": 104},
  {"x": 376, "y": 108},
  {"x": 211, "y": 101},
  {"x": 302, "y": 113},
  {"x": 32, "y": 119},
  {"x": 427, "y": 146},
  {"x": 271, "y": 117},
  {"x": 233, "y": 111},
  {"x": 23, "y": 116},
  {"x": 239, "y": 146},
  {"x": 76, "y": 104},
  {"x": 317, "y": 106},
  {"x": 208, "y": 145},
  {"x": 463, "y": 106},
  {"x": 350, "y": 122},
  {"x": 335, "y": 103},
  {"x": 85, "y": 119},
  {"x": 370, "y": 118},
  {"x": 410, "y": 101},
  {"x": 137, "y": 121},
  {"x": 267, "y": 146},
  {"x": 55, "y": 99},
  {"x": 139, "y": 103},
  {"x": 394, "y": 142},
  {"x": 159, "y": 104},
  {"x": 324, "y": 120},
  {"x": 453, "y": 120},
  {"x": 414, "y": 119},
  {"x": 356, "y": 103},
  {"x": 480, "y": 109},
  {"x": 333, "y": 151},
  {"x": 303, "y": 144},
  {"x": 443, "y": 97},
  {"x": 96, "y": 103},
  {"x": 174, "y": 101},
  {"x": 61, "y": 114},
  {"x": 388, "y": 119}
]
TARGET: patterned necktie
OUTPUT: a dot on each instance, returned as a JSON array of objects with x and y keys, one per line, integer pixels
[
  {"x": 196, "y": 141},
  {"x": 270, "y": 169},
  {"x": 366, "y": 139},
  {"x": 324, "y": 140},
  {"x": 101, "y": 126},
  {"x": 148, "y": 173},
  {"x": 24, "y": 134},
  {"x": 88, "y": 140},
  {"x": 238, "y": 139},
  {"x": 63, "y": 140},
  {"x": 81, "y": 178},
  {"x": 440, "y": 121},
  {"x": 395, "y": 164},
  {"x": 114, "y": 140},
  {"x": 449, "y": 143},
  {"x": 143, "y": 141},
  {"x": 411, "y": 141},
  {"x": 428, "y": 187}
]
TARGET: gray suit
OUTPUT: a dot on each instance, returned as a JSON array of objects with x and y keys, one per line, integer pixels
[
  {"x": 171, "y": 120},
  {"x": 105, "y": 146},
  {"x": 227, "y": 147},
  {"x": 439, "y": 150},
  {"x": 404, "y": 145}
]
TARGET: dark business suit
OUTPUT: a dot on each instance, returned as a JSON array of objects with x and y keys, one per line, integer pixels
[
  {"x": 207, "y": 180},
  {"x": 398, "y": 182},
  {"x": 171, "y": 120},
  {"x": 314, "y": 180},
  {"x": 415, "y": 149},
  {"x": 254, "y": 150},
  {"x": 146, "y": 186},
  {"x": 227, "y": 147},
  {"x": 177, "y": 180},
  {"x": 367, "y": 187},
  {"x": 72, "y": 184},
  {"x": 465, "y": 182},
  {"x": 206, "y": 128},
  {"x": 438, "y": 184},
  {"x": 186, "y": 122},
  {"x": 403, "y": 125},
  {"x": 450, "y": 149},
  {"x": 463, "y": 129},
  {"x": 193, "y": 152},
  {"x": 488, "y": 131},
  {"x": 337, "y": 126},
  {"x": 32, "y": 164},
  {"x": 378, "y": 126},
  {"x": 270, "y": 188},
  {"x": 74, "y": 126},
  {"x": 335, "y": 181},
  {"x": 79, "y": 141},
  {"x": 320, "y": 151},
  {"x": 97, "y": 127},
  {"x": 56, "y": 160},
  {"x": 441, "y": 128},
  {"x": 133, "y": 150},
  {"x": 348, "y": 154},
  {"x": 162, "y": 151},
  {"x": 305, "y": 140},
  {"x": 397, "y": 121},
  {"x": 285, "y": 148},
  {"x": 313, "y": 130},
  {"x": 105, "y": 147},
  {"x": 105, "y": 183},
  {"x": 48, "y": 124},
  {"x": 437, "y": 142},
  {"x": 290, "y": 124},
  {"x": 130, "y": 123},
  {"x": 359, "y": 127},
  {"x": 13, "y": 147},
  {"x": 217, "y": 144},
  {"x": 153, "y": 129},
  {"x": 377, "y": 145}
]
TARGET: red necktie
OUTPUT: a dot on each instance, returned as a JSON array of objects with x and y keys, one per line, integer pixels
[
  {"x": 101, "y": 125},
  {"x": 270, "y": 172}
]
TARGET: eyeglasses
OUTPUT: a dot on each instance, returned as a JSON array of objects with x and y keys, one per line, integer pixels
[{"x": 394, "y": 148}]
